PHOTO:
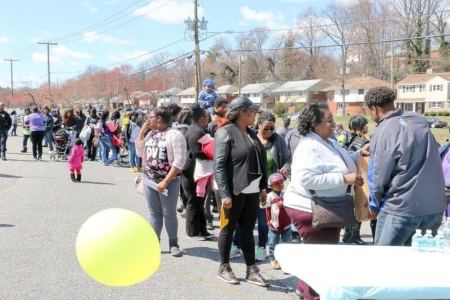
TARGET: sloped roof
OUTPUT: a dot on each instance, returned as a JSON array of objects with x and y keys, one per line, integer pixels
[
  {"x": 297, "y": 86},
  {"x": 187, "y": 92},
  {"x": 366, "y": 82},
  {"x": 423, "y": 78},
  {"x": 259, "y": 87},
  {"x": 226, "y": 89},
  {"x": 171, "y": 92}
]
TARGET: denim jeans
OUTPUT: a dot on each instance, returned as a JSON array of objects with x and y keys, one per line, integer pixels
[
  {"x": 49, "y": 139},
  {"x": 3, "y": 138},
  {"x": 263, "y": 229},
  {"x": 106, "y": 144},
  {"x": 25, "y": 141},
  {"x": 134, "y": 159},
  {"x": 395, "y": 230},
  {"x": 274, "y": 239}
]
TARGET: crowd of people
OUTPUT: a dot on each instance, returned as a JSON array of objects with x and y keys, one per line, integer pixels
[{"x": 229, "y": 156}]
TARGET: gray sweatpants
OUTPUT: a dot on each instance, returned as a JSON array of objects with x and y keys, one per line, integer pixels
[{"x": 163, "y": 210}]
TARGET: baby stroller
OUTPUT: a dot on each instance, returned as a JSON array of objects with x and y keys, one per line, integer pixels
[{"x": 63, "y": 142}]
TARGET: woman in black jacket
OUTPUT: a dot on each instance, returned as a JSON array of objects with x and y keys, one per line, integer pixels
[
  {"x": 241, "y": 175},
  {"x": 195, "y": 216}
]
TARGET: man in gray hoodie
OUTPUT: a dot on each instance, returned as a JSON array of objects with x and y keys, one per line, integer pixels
[{"x": 406, "y": 191}]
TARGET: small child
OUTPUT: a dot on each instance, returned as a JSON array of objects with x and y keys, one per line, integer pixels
[
  {"x": 277, "y": 218},
  {"x": 75, "y": 162},
  {"x": 208, "y": 96}
]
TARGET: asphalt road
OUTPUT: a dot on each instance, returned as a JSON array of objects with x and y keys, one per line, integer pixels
[{"x": 41, "y": 211}]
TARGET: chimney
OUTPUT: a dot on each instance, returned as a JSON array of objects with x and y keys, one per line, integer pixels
[{"x": 429, "y": 71}]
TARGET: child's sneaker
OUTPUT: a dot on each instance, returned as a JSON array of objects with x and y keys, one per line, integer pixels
[
  {"x": 275, "y": 264},
  {"x": 260, "y": 254},
  {"x": 235, "y": 252}
]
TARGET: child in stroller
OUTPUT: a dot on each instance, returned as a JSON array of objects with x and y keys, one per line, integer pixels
[{"x": 63, "y": 141}]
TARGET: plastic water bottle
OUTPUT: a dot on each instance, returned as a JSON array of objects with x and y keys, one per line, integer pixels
[
  {"x": 417, "y": 240},
  {"x": 446, "y": 235},
  {"x": 428, "y": 241},
  {"x": 439, "y": 242}
]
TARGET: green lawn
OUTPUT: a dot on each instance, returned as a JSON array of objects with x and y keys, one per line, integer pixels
[{"x": 441, "y": 134}]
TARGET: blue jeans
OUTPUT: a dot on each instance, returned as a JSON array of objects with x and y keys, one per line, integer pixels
[
  {"x": 398, "y": 230},
  {"x": 134, "y": 159},
  {"x": 105, "y": 145},
  {"x": 49, "y": 139},
  {"x": 263, "y": 229},
  {"x": 3, "y": 138},
  {"x": 274, "y": 239}
]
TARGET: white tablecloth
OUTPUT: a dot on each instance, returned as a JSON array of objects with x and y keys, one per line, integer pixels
[{"x": 344, "y": 272}]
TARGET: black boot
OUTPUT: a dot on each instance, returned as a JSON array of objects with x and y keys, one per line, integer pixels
[
  {"x": 24, "y": 150},
  {"x": 79, "y": 177},
  {"x": 3, "y": 156},
  {"x": 347, "y": 235},
  {"x": 355, "y": 237},
  {"x": 72, "y": 176},
  {"x": 373, "y": 227}
]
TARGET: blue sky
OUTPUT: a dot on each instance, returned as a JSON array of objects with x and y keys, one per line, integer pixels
[{"x": 151, "y": 24}]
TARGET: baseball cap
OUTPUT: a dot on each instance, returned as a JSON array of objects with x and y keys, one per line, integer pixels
[
  {"x": 241, "y": 103},
  {"x": 276, "y": 178}
]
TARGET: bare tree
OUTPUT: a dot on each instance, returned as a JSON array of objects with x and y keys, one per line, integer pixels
[
  {"x": 340, "y": 30},
  {"x": 440, "y": 26}
]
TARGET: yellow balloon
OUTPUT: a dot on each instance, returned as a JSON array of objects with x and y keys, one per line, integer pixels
[{"x": 118, "y": 247}]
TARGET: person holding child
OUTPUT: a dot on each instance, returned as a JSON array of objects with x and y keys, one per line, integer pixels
[
  {"x": 278, "y": 220},
  {"x": 75, "y": 162},
  {"x": 208, "y": 96}
]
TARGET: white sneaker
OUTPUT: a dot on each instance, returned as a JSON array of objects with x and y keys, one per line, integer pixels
[
  {"x": 235, "y": 252},
  {"x": 260, "y": 254}
]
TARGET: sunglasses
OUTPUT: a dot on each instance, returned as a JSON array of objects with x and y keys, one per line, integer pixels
[{"x": 269, "y": 129}]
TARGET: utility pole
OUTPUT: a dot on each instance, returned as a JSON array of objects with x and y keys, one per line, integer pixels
[
  {"x": 197, "y": 52},
  {"x": 11, "y": 61},
  {"x": 48, "y": 66},
  {"x": 344, "y": 70},
  {"x": 240, "y": 77},
  {"x": 392, "y": 63}
]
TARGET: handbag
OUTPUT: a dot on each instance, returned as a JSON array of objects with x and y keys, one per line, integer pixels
[
  {"x": 332, "y": 212},
  {"x": 139, "y": 184},
  {"x": 95, "y": 141},
  {"x": 85, "y": 133}
]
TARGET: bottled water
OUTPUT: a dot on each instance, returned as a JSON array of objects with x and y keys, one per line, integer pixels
[
  {"x": 446, "y": 235},
  {"x": 439, "y": 242},
  {"x": 417, "y": 240},
  {"x": 428, "y": 241}
]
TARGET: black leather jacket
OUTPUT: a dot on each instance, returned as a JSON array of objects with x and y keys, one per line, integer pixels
[{"x": 235, "y": 159}]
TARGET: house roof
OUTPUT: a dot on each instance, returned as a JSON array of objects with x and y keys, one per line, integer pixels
[
  {"x": 422, "y": 78},
  {"x": 171, "y": 92},
  {"x": 187, "y": 92},
  {"x": 259, "y": 87},
  {"x": 366, "y": 82},
  {"x": 226, "y": 89},
  {"x": 297, "y": 86}
]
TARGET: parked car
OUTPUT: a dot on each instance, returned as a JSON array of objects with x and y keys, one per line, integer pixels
[
  {"x": 435, "y": 123},
  {"x": 295, "y": 116}
]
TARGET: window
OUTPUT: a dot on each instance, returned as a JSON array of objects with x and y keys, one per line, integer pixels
[
  {"x": 346, "y": 92},
  {"x": 255, "y": 95},
  {"x": 247, "y": 95},
  {"x": 422, "y": 88},
  {"x": 340, "y": 105},
  {"x": 300, "y": 93},
  {"x": 361, "y": 92},
  {"x": 436, "y": 87},
  {"x": 436, "y": 105}
]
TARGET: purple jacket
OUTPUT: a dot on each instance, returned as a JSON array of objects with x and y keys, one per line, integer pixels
[{"x": 37, "y": 122}]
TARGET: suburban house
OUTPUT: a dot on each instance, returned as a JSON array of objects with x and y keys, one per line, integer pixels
[
  {"x": 227, "y": 91},
  {"x": 169, "y": 96},
  {"x": 424, "y": 92},
  {"x": 304, "y": 91},
  {"x": 187, "y": 96},
  {"x": 355, "y": 91},
  {"x": 141, "y": 99},
  {"x": 261, "y": 93}
]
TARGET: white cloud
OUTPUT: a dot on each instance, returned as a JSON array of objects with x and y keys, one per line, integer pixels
[
  {"x": 169, "y": 12},
  {"x": 134, "y": 56},
  {"x": 92, "y": 36},
  {"x": 4, "y": 39},
  {"x": 89, "y": 6},
  {"x": 59, "y": 54},
  {"x": 268, "y": 18}
]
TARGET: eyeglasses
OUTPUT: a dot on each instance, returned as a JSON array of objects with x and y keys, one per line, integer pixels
[{"x": 269, "y": 129}]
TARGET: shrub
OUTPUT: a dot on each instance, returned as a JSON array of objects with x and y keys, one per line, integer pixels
[
  {"x": 280, "y": 109},
  {"x": 427, "y": 114},
  {"x": 299, "y": 106},
  {"x": 433, "y": 113},
  {"x": 445, "y": 113}
]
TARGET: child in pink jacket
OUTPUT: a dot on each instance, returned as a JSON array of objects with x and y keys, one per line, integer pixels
[{"x": 75, "y": 162}]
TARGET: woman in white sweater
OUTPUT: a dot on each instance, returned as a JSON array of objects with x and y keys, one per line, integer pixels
[{"x": 319, "y": 164}]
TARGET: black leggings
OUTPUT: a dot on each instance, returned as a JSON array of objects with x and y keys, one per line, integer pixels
[
  {"x": 36, "y": 139},
  {"x": 243, "y": 212}
]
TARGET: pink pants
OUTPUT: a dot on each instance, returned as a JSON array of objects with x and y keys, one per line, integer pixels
[{"x": 202, "y": 183}]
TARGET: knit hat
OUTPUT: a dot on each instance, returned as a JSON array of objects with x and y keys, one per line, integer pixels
[
  {"x": 209, "y": 82},
  {"x": 276, "y": 178}
]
